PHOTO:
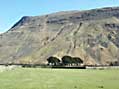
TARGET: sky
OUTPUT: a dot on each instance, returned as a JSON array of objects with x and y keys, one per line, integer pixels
[{"x": 12, "y": 10}]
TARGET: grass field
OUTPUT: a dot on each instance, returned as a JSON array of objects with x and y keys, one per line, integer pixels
[{"x": 38, "y": 78}]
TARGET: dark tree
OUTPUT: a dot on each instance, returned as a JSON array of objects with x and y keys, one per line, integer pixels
[
  {"x": 53, "y": 61},
  {"x": 77, "y": 60},
  {"x": 115, "y": 63},
  {"x": 67, "y": 60}
]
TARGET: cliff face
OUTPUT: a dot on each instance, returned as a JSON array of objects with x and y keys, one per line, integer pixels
[{"x": 92, "y": 35}]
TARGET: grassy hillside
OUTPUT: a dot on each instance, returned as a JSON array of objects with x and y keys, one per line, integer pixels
[{"x": 29, "y": 78}]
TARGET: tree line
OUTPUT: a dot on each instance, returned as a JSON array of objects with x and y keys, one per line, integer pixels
[{"x": 65, "y": 60}]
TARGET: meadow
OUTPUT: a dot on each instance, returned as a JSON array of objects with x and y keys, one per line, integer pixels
[{"x": 44, "y": 78}]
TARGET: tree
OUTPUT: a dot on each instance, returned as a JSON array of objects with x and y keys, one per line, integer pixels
[
  {"x": 67, "y": 60},
  {"x": 53, "y": 60},
  {"x": 77, "y": 60},
  {"x": 115, "y": 63}
]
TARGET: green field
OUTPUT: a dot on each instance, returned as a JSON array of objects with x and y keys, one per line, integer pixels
[{"x": 38, "y": 78}]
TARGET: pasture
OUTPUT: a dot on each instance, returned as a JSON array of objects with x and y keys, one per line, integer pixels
[{"x": 44, "y": 78}]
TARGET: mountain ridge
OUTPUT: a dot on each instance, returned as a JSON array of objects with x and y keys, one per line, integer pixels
[{"x": 91, "y": 35}]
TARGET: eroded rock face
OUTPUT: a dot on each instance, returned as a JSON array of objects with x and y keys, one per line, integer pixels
[{"x": 92, "y": 35}]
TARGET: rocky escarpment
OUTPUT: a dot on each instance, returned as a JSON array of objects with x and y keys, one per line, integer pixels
[{"x": 92, "y": 35}]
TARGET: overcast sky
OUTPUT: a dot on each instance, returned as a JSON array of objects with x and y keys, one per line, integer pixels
[{"x": 12, "y": 10}]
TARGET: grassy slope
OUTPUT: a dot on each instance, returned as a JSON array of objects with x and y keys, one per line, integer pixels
[{"x": 59, "y": 79}]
